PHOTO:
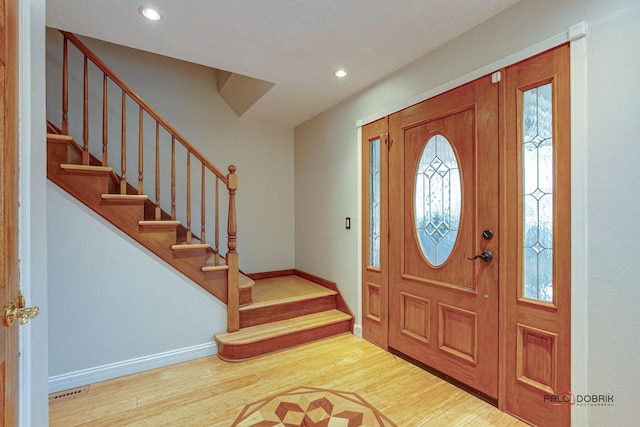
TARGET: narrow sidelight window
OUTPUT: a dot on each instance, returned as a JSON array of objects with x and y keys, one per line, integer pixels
[
  {"x": 537, "y": 181},
  {"x": 374, "y": 203}
]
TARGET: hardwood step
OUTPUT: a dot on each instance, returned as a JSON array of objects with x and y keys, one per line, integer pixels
[
  {"x": 192, "y": 247},
  {"x": 245, "y": 282},
  {"x": 285, "y": 297},
  {"x": 159, "y": 225},
  {"x": 86, "y": 169},
  {"x": 63, "y": 139},
  {"x": 258, "y": 313},
  {"x": 209, "y": 268},
  {"x": 125, "y": 199},
  {"x": 258, "y": 340}
]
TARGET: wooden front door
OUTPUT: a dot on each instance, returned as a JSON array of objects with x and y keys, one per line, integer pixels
[
  {"x": 475, "y": 264},
  {"x": 443, "y": 216},
  {"x": 9, "y": 285}
]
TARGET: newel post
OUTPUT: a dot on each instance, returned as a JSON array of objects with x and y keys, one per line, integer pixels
[{"x": 233, "y": 292}]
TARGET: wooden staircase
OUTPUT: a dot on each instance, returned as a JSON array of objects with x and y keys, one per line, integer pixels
[
  {"x": 265, "y": 312},
  {"x": 99, "y": 188},
  {"x": 289, "y": 309}
]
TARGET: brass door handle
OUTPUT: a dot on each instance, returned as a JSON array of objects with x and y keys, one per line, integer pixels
[{"x": 12, "y": 312}]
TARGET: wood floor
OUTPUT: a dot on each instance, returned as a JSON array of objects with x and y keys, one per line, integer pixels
[{"x": 210, "y": 392}]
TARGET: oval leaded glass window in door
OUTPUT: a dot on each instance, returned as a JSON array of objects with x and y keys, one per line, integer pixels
[{"x": 438, "y": 200}]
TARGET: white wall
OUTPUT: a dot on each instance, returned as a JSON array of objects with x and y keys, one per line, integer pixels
[
  {"x": 111, "y": 300},
  {"x": 185, "y": 94},
  {"x": 34, "y": 405},
  {"x": 326, "y": 188}
]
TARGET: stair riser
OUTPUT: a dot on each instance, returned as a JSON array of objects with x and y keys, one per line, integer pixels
[
  {"x": 244, "y": 294},
  {"x": 261, "y": 315},
  {"x": 241, "y": 352},
  {"x": 92, "y": 184},
  {"x": 57, "y": 152}
]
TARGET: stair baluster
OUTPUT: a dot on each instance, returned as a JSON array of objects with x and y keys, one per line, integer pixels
[
  {"x": 65, "y": 87},
  {"x": 85, "y": 114},
  {"x": 203, "y": 238},
  {"x": 173, "y": 178},
  {"x": 105, "y": 121},
  {"x": 216, "y": 250},
  {"x": 140, "y": 151},
  {"x": 158, "y": 211},
  {"x": 189, "y": 234},
  {"x": 123, "y": 150}
]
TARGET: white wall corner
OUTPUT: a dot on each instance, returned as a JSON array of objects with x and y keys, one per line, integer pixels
[{"x": 127, "y": 367}]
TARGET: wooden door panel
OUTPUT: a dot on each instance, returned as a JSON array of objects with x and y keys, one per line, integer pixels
[
  {"x": 457, "y": 331},
  {"x": 455, "y": 127},
  {"x": 415, "y": 317},
  {"x": 445, "y": 313}
]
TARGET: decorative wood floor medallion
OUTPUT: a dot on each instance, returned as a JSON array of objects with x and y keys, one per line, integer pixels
[{"x": 312, "y": 407}]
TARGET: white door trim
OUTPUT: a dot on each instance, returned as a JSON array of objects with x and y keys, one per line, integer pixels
[{"x": 24, "y": 236}]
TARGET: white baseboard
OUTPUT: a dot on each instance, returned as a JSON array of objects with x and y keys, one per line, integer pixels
[
  {"x": 357, "y": 330},
  {"x": 126, "y": 367}
]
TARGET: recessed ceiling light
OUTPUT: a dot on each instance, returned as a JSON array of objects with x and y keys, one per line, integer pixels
[
  {"x": 150, "y": 13},
  {"x": 340, "y": 73}
]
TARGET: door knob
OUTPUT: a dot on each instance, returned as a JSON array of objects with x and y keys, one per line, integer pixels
[
  {"x": 12, "y": 312},
  {"x": 485, "y": 256}
]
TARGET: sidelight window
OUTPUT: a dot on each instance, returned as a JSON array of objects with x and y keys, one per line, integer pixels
[
  {"x": 537, "y": 182},
  {"x": 374, "y": 203}
]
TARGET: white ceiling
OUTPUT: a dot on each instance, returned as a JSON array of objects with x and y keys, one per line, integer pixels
[{"x": 296, "y": 44}]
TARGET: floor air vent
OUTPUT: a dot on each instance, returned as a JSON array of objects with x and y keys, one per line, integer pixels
[{"x": 74, "y": 392}]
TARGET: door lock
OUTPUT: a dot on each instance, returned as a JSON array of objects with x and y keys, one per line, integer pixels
[{"x": 487, "y": 234}]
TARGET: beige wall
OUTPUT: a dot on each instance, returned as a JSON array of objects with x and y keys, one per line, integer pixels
[{"x": 326, "y": 178}]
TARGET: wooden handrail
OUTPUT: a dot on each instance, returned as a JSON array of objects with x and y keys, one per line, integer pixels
[{"x": 147, "y": 108}]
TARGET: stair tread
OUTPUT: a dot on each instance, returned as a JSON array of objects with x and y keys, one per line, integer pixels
[
  {"x": 255, "y": 305},
  {"x": 245, "y": 282},
  {"x": 220, "y": 267},
  {"x": 129, "y": 199},
  {"x": 85, "y": 168},
  {"x": 282, "y": 327},
  {"x": 59, "y": 138},
  {"x": 168, "y": 223},
  {"x": 277, "y": 289},
  {"x": 190, "y": 247}
]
